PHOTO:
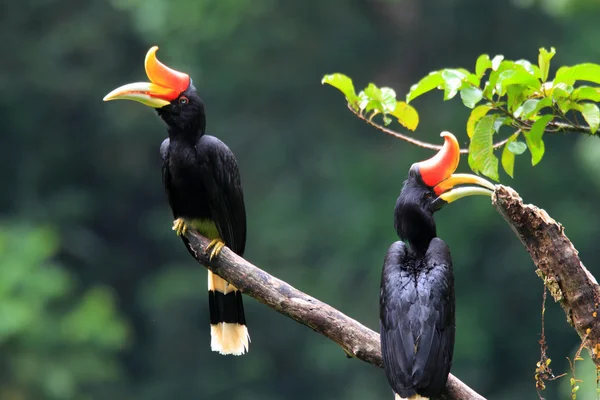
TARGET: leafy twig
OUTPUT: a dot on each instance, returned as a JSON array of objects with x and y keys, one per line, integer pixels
[{"x": 409, "y": 139}]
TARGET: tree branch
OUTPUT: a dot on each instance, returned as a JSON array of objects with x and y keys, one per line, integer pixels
[
  {"x": 355, "y": 339},
  {"x": 564, "y": 127},
  {"x": 409, "y": 139},
  {"x": 558, "y": 263}
]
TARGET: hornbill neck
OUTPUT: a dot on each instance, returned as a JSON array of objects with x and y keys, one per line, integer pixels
[
  {"x": 416, "y": 227},
  {"x": 186, "y": 135},
  {"x": 187, "y": 125},
  {"x": 413, "y": 215}
]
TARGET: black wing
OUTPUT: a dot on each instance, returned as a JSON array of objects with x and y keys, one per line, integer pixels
[
  {"x": 221, "y": 178},
  {"x": 166, "y": 176},
  {"x": 417, "y": 320},
  {"x": 436, "y": 346},
  {"x": 396, "y": 297}
]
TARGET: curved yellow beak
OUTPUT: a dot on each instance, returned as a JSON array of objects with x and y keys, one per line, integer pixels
[
  {"x": 143, "y": 92},
  {"x": 447, "y": 192},
  {"x": 165, "y": 85}
]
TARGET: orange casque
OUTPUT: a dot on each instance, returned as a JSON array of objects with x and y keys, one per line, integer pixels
[
  {"x": 439, "y": 167},
  {"x": 171, "y": 82}
]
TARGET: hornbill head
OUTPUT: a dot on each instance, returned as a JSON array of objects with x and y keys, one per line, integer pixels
[
  {"x": 437, "y": 174},
  {"x": 170, "y": 92},
  {"x": 431, "y": 184}
]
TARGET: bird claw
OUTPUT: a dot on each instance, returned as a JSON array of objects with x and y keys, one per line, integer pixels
[
  {"x": 179, "y": 226},
  {"x": 214, "y": 248}
]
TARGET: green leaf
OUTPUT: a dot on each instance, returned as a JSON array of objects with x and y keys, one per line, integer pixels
[
  {"x": 591, "y": 114},
  {"x": 527, "y": 107},
  {"x": 453, "y": 80},
  {"x": 580, "y": 72},
  {"x": 363, "y": 100},
  {"x": 383, "y": 100},
  {"x": 544, "y": 61},
  {"x": 586, "y": 93},
  {"x": 483, "y": 64},
  {"x": 342, "y": 83},
  {"x": 471, "y": 96},
  {"x": 407, "y": 115},
  {"x": 561, "y": 91},
  {"x": 477, "y": 113},
  {"x": 533, "y": 70},
  {"x": 496, "y": 61},
  {"x": 472, "y": 79},
  {"x": 501, "y": 121},
  {"x": 491, "y": 83},
  {"x": 515, "y": 147},
  {"x": 427, "y": 84},
  {"x": 534, "y": 138},
  {"x": 508, "y": 161},
  {"x": 515, "y": 95},
  {"x": 388, "y": 99},
  {"x": 481, "y": 153},
  {"x": 565, "y": 105},
  {"x": 508, "y": 157},
  {"x": 532, "y": 107},
  {"x": 516, "y": 76},
  {"x": 373, "y": 92}
]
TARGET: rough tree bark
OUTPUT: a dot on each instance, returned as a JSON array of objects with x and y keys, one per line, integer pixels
[
  {"x": 558, "y": 263},
  {"x": 556, "y": 258}
]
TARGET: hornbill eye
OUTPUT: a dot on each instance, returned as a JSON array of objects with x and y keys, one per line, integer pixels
[{"x": 183, "y": 100}]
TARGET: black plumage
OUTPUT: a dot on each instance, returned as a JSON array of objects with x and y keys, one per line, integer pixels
[
  {"x": 417, "y": 306},
  {"x": 202, "y": 181}
]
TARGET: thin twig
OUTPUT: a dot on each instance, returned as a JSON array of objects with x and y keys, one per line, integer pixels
[
  {"x": 563, "y": 127},
  {"x": 543, "y": 372},
  {"x": 409, "y": 139}
]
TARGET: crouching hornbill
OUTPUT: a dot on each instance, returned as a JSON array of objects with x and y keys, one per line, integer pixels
[
  {"x": 202, "y": 181},
  {"x": 416, "y": 304}
]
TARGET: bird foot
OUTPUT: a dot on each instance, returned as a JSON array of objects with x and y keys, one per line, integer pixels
[
  {"x": 179, "y": 226},
  {"x": 214, "y": 248}
]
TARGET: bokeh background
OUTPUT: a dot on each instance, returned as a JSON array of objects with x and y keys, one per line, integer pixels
[{"x": 100, "y": 300}]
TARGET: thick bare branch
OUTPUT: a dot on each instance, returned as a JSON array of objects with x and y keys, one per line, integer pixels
[
  {"x": 355, "y": 339},
  {"x": 558, "y": 263}
]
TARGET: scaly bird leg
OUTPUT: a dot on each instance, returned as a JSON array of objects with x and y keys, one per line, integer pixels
[
  {"x": 214, "y": 248},
  {"x": 179, "y": 226}
]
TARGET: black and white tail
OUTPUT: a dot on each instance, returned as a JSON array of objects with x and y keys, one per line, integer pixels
[{"x": 228, "y": 331}]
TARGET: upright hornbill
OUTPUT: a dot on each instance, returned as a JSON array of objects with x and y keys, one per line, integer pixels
[
  {"x": 202, "y": 181},
  {"x": 416, "y": 304}
]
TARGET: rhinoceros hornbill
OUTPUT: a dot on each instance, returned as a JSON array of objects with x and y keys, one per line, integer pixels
[
  {"x": 416, "y": 305},
  {"x": 202, "y": 181}
]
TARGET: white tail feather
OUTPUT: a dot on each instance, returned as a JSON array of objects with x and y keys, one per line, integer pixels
[{"x": 227, "y": 338}]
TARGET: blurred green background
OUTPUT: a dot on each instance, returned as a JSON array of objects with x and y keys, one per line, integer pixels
[{"x": 100, "y": 300}]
